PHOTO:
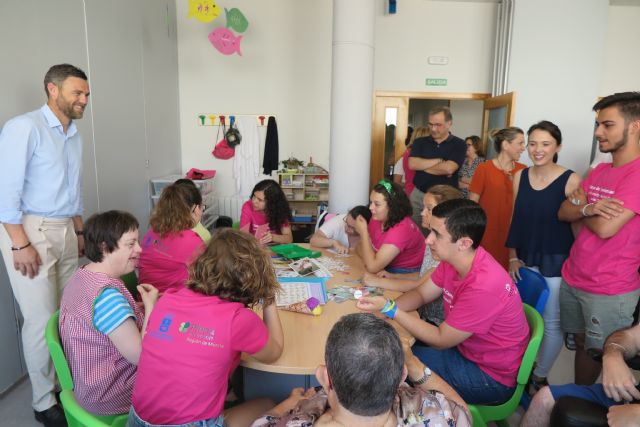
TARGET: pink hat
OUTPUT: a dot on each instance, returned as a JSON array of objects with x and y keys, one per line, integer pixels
[{"x": 222, "y": 150}]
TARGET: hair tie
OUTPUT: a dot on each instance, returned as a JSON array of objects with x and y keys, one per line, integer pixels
[{"x": 387, "y": 185}]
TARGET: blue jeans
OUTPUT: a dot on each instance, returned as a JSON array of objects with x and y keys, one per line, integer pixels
[
  {"x": 135, "y": 421},
  {"x": 472, "y": 383},
  {"x": 593, "y": 393},
  {"x": 398, "y": 270}
]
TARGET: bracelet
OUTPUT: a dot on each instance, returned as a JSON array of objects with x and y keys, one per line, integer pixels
[
  {"x": 584, "y": 209},
  {"x": 21, "y": 247},
  {"x": 620, "y": 346},
  {"x": 515, "y": 259},
  {"x": 389, "y": 309},
  {"x": 79, "y": 232}
]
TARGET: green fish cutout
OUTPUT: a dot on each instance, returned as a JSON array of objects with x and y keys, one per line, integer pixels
[
  {"x": 184, "y": 326},
  {"x": 236, "y": 20}
]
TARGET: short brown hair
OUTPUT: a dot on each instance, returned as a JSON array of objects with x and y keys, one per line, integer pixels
[
  {"x": 59, "y": 73},
  {"x": 236, "y": 268},
  {"x": 443, "y": 192},
  {"x": 172, "y": 214},
  {"x": 442, "y": 109}
]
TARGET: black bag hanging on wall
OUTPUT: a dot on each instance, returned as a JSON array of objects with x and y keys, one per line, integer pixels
[{"x": 232, "y": 135}]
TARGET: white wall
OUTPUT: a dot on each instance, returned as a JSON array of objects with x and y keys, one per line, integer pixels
[
  {"x": 621, "y": 60},
  {"x": 467, "y": 118},
  {"x": 463, "y": 31},
  {"x": 556, "y": 68},
  {"x": 284, "y": 71}
]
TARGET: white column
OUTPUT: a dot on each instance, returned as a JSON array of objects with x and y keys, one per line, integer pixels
[{"x": 351, "y": 102}]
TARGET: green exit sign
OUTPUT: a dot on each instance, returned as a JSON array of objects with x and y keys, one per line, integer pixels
[{"x": 436, "y": 82}]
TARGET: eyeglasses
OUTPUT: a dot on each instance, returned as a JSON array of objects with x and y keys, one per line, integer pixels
[
  {"x": 346, "y": 224},
  {"x": 435, "y": 125}
]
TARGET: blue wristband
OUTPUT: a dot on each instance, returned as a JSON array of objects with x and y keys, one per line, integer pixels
[{"x": 389, "y": 309}]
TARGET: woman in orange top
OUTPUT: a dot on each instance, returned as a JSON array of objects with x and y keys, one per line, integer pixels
[{"x": 492, "y": 187}]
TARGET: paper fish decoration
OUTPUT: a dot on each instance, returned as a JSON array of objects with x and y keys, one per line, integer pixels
[
  {"x": 225, "y": 41},
  {"x": 236, "y": 20},
  {"x": 203, "y": 10}
]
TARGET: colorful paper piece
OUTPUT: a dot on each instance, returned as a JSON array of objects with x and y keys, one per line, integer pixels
[
  {"x": 236, "y": 20},
  {"x": 203, "y": 10},
  {"x": 225, "y": 41}
]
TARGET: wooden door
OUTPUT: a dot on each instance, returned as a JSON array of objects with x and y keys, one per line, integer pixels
[
  {"x": 498, "y": 113},
  {"x": 390, "y": 122}
]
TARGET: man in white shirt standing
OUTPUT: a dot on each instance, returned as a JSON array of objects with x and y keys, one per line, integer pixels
[{"x": 41, "y": 213}]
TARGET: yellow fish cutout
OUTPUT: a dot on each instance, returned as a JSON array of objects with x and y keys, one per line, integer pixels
[{"x": 203, "y": 10}]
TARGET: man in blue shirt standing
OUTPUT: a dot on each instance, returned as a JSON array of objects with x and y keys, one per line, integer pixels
[
  {"x": 41, "y": 213},
  {"x": 435, "y": 158}
]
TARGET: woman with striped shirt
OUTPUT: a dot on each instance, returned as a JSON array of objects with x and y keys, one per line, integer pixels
[{"x": 101, "y": 326}]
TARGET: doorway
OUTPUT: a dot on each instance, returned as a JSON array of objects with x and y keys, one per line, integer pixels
[{"x": 394, "y": 112}]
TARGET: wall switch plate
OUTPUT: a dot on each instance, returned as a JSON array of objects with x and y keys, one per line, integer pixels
[{"x": 438, "y": 60}]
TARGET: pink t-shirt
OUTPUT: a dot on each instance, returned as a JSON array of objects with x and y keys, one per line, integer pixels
[
  {"x": 255, "y": 219},
  {"x": 405, "y": 236},
  {"x": 608, "y": 266},
  {"x": 409, "y": 173},
  {"x": 486, "y": 303},
  {"x": 192, "y": 345},
  {"x": 164, "y": 261}
]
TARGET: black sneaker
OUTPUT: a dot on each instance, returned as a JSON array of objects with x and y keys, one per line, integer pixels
[{"x": 52, "y": 417}]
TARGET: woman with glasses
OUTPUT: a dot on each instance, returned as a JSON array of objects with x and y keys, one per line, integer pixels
[
  {"x": 473, "y": 159},
  {"x": 266, "y": 215},
  {"x": 172, "y": 243},
  {"x": 391, "y": 241}
]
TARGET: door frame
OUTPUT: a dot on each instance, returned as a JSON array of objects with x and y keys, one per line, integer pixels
[
  {"x": 400, "y": 100},
  {"x": 507, "y": 101}
]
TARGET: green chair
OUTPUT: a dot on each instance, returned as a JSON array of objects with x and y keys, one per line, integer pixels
[
  {"x": 75, "y": 414},
  {"x": 482, "y": 414},
  {"x": 131, "y": 283}
]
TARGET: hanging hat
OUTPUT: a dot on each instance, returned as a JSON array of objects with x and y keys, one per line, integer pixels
[{"x": 222, "y": 150}]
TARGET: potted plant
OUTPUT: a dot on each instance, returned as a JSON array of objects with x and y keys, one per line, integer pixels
[{"x": 292, "y": 164}]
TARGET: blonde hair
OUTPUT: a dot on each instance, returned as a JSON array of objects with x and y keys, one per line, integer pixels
[
  {"x": 235, "y": 268},
  {"x": 443, "y": 192},
  {"x": 419, "y": 132},
  {"x": 506, "y": 134}
]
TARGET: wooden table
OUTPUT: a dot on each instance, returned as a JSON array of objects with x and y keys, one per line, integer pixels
[{"x": 305, "y": 337}]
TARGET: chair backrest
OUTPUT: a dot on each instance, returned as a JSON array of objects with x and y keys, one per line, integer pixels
[
  {"x": 77, "y": 416},
  {"x": 536, "y": 330},
  {"x": 52, "y": 337},
  {"x": 130, "y": 281},
  {"x": 533, "y": 289},
  {"x": 500, "y": 412}
]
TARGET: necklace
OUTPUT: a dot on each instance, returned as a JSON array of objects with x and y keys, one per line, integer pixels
[{"x": 507, "y": 172}]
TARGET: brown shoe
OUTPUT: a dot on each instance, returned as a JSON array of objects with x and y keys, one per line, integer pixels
[{"x": 52, "y": 417}]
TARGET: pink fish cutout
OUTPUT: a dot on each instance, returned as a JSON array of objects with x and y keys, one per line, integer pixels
[{"x": 225, "y": 41}]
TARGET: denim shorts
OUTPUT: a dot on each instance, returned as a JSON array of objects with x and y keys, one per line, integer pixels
[
  {"x": 135, "y": 421},
  {"x": 595, "y": 315}
]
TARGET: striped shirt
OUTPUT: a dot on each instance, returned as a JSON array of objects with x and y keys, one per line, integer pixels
[{"x": 110, "y": 310}]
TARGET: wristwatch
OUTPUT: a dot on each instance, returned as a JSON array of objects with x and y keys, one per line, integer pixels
[
  {"x": 576, "y": 202},
  {"x": 425, "y": 377}
]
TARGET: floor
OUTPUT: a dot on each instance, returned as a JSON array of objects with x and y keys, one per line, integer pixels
[{"x": 15, "y": 405}]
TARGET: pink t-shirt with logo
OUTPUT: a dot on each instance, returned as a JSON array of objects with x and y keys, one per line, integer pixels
[
  {"x": 486, "y": 303},
  {"x": 255, "y": 218},
  {"x": 405, "y": 236},
  {"x": 192, "y": 345},
  {"x": 608, "y": 266}
]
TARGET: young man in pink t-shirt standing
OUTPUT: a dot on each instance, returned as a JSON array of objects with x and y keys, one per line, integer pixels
[
  {"x": 479, "y": 346},
  {"x": 601, "y": 284}
]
